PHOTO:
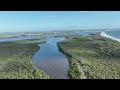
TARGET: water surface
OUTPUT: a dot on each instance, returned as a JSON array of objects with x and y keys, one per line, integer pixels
[
  {"x": 114, "y": 33},
  {"x": 49, "y": 59}
]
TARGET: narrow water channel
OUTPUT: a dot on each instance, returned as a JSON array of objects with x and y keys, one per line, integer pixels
[{"x": 49, "y": 59}]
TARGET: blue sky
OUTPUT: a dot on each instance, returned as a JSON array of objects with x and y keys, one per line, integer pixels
[{"x": 16, "y": 21}]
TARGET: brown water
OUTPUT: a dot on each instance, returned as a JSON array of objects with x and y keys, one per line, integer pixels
[{"x": 49, "y": 59}]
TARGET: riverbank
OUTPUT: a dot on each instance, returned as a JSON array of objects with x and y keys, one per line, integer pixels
[
  {"x": 50, "y": 60},
  {"x": 92, "y": 57},
  {"x": 16, "y": 60}
]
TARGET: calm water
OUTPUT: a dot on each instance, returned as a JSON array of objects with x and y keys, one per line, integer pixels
[
  {"x": 49, "y": 59},
  {"x": 23, "y": 38},
  {"x": 47, "y": 36}
]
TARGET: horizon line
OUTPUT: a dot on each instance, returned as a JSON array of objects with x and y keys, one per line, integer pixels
[{"x": 58, "y": 30}]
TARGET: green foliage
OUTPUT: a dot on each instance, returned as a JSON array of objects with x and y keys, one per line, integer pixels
[
  {"x": 97, "y": 56},
  {"x": 16, "y": 60},
  {"x": 75, "y": 71}
]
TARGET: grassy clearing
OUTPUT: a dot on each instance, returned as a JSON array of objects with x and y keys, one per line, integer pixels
[
  {"x": 16, "y": 60},
  {"x": 92, "y": 57}
]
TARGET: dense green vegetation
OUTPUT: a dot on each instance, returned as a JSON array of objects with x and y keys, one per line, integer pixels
[
  {"x": 16, "y": 60},
  {"x": 92, "y": 57}
]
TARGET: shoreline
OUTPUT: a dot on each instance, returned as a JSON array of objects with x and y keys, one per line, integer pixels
[
  {"x": 107, "y": 36},
  {"x": 56, "y": 72},
  {"x": 90, "y": 57}
]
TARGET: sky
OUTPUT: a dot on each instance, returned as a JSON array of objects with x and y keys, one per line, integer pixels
[{"x": 20, "y": 21}]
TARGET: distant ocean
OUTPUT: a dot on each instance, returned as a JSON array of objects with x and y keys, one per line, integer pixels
[{"x": 113, "y": 34}]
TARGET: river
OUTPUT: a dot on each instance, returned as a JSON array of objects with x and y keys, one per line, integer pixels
[{"x": 49, "y": 59}]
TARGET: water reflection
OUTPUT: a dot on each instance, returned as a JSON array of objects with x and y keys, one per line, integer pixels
[{"x": 50, "y": 60}]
